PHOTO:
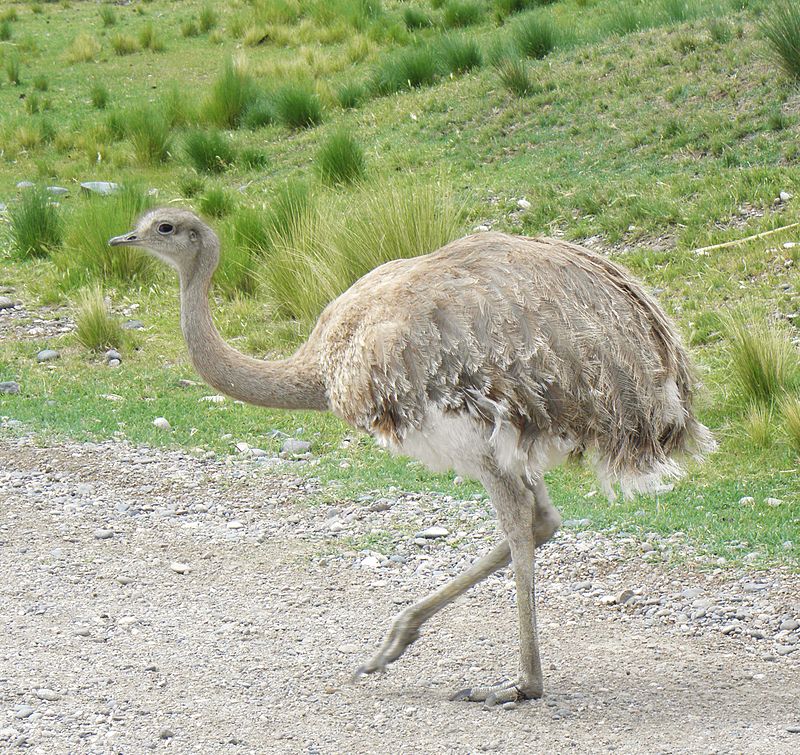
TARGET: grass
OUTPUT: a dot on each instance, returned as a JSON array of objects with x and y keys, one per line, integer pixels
[
  {"x": 765, "y": 363},
  {"x": 36, "y": 225},
  {"x": 150, "y": 39},
  {"x": 460, "y": 13},
  {"x": 99, "y": 95},
  {"x": 790, "y": 408},
  {"x": 780, "y": 25},
  {"x": 124, "y": 44},
  {"x": 758, "y": 424},
  {"x": 13, "y": 70},
  {"x": 340, "y": 160},
  {"x": 297, "y": 106},
  {"x": 150, "y": 135},
  {"x": 95, "y": 327},
  {"x": 209, "y": 151},
  {"x": 6, "y": 31},
  {"x": 208, "y": 19},
  {"x": 415, "y": 17},
  {"x": 84, "y": 49},
  {"x": 408, "y": 69},
  {"x": 216, "y": 202},
  {"x": 460, "y": 54},
  {"x": 40, "y": 83},
  {"x": 515, "y": 76},
  {"x": 107, "y": 15},
  {"x": 650, "y": 144},
  {"x": 536, "y": 36},
  {"x": 232, "y": 94}
]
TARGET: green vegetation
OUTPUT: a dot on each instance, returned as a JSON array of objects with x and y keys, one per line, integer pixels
[
  {"x": 95, "y": 327},
  {"x": 646, "y": 130},
  {"x": 36, "y": 224}
]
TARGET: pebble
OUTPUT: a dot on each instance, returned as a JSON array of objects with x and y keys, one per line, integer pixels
[
  {"x": 773, "y": 501},
  {"x": 348, "y": 648},
  {"x": 370, "y": 562},
  {"x": 44, "y": 693},
  {"x": 790, "y": 625},
  {"x": 180, "y": 568},
  {"x": 295, "y": 446},
  {"x": 166, "y": 733},
  {"x": 7, "y": 733},
  {"x": 133, "y": 325},
  {"x": 114, "y": 362},
  {"x": 123, "y": 580},
  {"x": 57, "y": 191},
  {"x": 162, "y": 423},
  {"x": 481, "y": 228},
  {"x": 432, "y": 533},
  {"x": 103, "y": 188},
  {"x": 523, "y": 204},
  {"x": 6, "y": 303},
  {"x": 793, "y": 728},
  {"x": 747, "y": 500},
  {"x": 103, "y": 534},
  {"x": 23, "y": 711},
  {"x": 624, "y": 597},
  {"x": 47, "y": 355},
  {"x": 113, "y": 354},
  {"x": 785, "y": 196},
  {"x": 9, "y": 386},
  {"x": 235, "y": 524},
  {"x": 25, "y": 184}
]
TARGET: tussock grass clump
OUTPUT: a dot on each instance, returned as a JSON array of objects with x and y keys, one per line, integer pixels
[
  {"x": 503, "y": 8},
  {"x": 99, "y": 96},
  {"x": 677, "y": 11},
  {"x": 297, "y": 106},
  {"x": 764, "y": 361},
  {"x": 408, "y": 69},
  {"x": 233, "y": 92},
  {"x": 780, "y": 25},
  {"x": 351, "y": 94},
  {"x": 515, "y": 76},
  {"x": 189, "y": 28},
  {"x": 460, "y": 13},
  {"x": 253, "y": 158},
  {"x": 460, "y": 54},
  {"x": 41, "y": 83},
  {"x": 259, "y": 113},
  {"x": 37, "y": 228},
  {"x": 96, "y": 328},
  {"x": 416, "y": 18},
  {"x": 536, "y": 37},
  {"x": 758, "y": 424},
  {"x": 5, "y": 31},
  {"x": 124, "y": 44},
  {"x": 150, "y": 135},
  {"x": 177, "y": 106},
  {"x": 790, "y": 408},
  {"x": 191, "y": 185},
  {"x": 209, "y": 151},
  {"x": 107, "y": 15},
  {"x": 9, "y": 14},
  {"x": 84, "y": 49},
  {"x": 150, "y": 39},
  {"x": 208, "y": 19},
  {"x": 216, "y": 202},
  {"x": 86, "y": 255},
  {"x": 13, "y": 70},
  {"x": 626, "y": 18},
  {"x": 341, "y": 160}
]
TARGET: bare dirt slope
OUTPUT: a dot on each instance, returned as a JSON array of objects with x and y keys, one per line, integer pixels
[{"x": 105, "y": 646}]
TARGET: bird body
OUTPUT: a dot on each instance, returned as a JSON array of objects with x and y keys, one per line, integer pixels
[{"x": 498, "y": 356}]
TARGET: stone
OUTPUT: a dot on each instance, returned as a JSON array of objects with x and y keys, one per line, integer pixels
[
  {"x": 180, "y": 567},
  {"x": 6, "y": 303},
  {"x": 9, "y": 386},
  {"x": 370, "y": 562},
  {"x": 432, "y": 533},
  {"x": 481, "y": 228},
  {"x": 47, "y": 355},
  {"x": 785, "y": 649},
  {"x": 114, "y": 362},
  {"x": 624, "y": 597},
  {"x": 113, "y": 354},
  {"x": 132, "y": 325},
  {"x": 577, "y": 522},
  {"x": 789, "y": 625},
  {"x": 235, "y": 524},
  {"x": 785, "y": 196},
  {"x": 166, "y": 733},
  {"x": 295, "y": 446},
  {"x": 793, "y": 728},
  {"x": 103, "y": 534},
  {"x": 747, "y": 500},
  {"x": 162, "y": 423},
  {"x": 57, "y": 191},
  {"x": 23, "y": 711},
  {"x": 25, "y": 185},
  {"x": 44, "y": 693},
  {"x": 7, "y": 733},
  {"x": 103, "y": 188},
  {"x": 523, "y": 204},
  {"x": 348, "y": 648},
  {"x": 773, "y": 501}
]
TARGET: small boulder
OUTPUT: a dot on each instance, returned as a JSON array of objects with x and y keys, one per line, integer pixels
[
  {"x": 523, "y": 204},
  {"x": 162, "y": 423},
  {"x": 25, "y": 184},
  {"x": 6, "y": 303},
  {"x": 9, "y": 386},
  {"x": 133, "y": 325},
  {"x": 295, "y": 446},
  {"x": 113, "y": 354},
  {"x": 47, "y": 355},
  {"x": 57, "y": 191},
  {"x": 103, "y": 188},
  {"x": 433, "y": 532}
]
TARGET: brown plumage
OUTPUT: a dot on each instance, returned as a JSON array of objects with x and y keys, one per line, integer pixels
[{"x": 498, "y": 356}]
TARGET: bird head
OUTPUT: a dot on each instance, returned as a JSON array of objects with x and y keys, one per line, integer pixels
[{"x": 178, "y": 237}]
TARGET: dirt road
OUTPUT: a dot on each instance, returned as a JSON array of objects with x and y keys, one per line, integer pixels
[{"x": 153, "y": 601}]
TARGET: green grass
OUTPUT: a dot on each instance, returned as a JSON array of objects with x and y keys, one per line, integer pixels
[
  {"x": 209, "y": 151},
  {"x": 99, "y": 95},
  {"x": 780, "y": 25},
  {"x": 415, "y": 17},
  {"x": 232, "y": 94},
  {"x": 650, "y": 137},
  {"x": 791, "y": 416},
  {"x": 107, "y": 15},
  {"x": 216, "y": 202},
  {"x": 536, "y": 36},
  {"x": 95, "y": 327},
  {"x": 297, "y": 106},
  {"x": 460, "y": 54},
  {"x": 13, "y": 70},
  {"x": 460, "y": 13},
  {"x": 150, "y": 135},
  {"x": 340, "y": 160},
  {"x": 36, "y": 225}
]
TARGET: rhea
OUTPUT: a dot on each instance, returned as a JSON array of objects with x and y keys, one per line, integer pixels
[{"x": 496, "y": 356}]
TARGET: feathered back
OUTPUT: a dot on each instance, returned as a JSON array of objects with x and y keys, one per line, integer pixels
[{"x": 545, "y": 335}]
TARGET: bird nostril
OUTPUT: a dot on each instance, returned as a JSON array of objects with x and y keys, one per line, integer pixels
[{"x": 132, "y": 237}]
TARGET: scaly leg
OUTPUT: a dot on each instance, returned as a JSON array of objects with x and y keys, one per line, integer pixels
[
  {"x": 516, "y": 510},
  {"x": 406, "y": 625}
]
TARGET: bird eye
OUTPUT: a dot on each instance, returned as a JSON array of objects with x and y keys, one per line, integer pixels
[{"x": 166, "y": 228}]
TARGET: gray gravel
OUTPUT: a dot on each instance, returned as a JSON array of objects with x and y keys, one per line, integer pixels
[{"x": 223, "y": 613}]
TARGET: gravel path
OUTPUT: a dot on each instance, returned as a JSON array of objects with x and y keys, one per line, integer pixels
[{"x": 150, "y": 600}]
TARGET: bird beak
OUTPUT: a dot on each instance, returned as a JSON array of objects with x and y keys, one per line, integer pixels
[{"x": 127, "y": 239}]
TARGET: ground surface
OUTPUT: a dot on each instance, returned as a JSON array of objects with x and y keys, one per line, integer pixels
[{"x": 251, "y": 649}]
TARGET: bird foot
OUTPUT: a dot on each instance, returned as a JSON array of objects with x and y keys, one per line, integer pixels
[
  {"x": 496, "y": 694},
  {"x": 404, "y": 631}
]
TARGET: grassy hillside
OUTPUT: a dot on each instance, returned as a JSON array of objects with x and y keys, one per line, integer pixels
[{"x": 645, "y": 130}]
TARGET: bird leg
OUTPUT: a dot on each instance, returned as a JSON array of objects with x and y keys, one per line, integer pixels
[
  {"x": 406, "y": 625},
  {"x": 516, "y": 510}
]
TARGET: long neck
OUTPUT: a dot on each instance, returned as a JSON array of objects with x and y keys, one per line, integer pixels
[{"x": 292, "y": 383}]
